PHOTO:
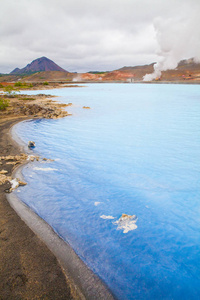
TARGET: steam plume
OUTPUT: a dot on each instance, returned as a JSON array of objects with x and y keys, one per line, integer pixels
[{"x": 178, "y": 38}]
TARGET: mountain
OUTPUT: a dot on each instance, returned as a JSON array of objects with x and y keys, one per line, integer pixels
[
  {"x": 38, "y": 65},
  {"x": 187, "y": 71},
  {"x": 188, "y": 64}
]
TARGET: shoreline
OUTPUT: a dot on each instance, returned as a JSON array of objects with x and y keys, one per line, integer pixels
[
  {"x": 84, "y": 283},
  {"x": 28, "y": 269},
  {"x": 30, "y": 265}
]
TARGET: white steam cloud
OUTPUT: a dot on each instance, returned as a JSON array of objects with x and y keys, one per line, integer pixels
[{"x": 178, "y": 38}]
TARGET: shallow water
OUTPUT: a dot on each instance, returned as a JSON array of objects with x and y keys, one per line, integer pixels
[{"x": 136, "y": 151}]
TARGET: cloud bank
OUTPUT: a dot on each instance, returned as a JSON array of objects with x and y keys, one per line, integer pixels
[{"x": 90, "y": 35}]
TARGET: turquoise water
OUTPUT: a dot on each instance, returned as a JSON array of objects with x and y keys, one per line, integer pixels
[{"x": 136, "y": 151}]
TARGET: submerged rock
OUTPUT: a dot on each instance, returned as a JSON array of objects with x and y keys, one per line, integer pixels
[
  {"x": 47, "y": 159},
  {"x": 126, "y": 223},
  {"x": 125, "y": 216}
]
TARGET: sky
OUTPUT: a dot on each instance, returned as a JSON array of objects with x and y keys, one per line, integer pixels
[{"x": 98, "y": 35}]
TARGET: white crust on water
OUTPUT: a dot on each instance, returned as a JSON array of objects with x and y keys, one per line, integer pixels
[
  {"x": 14, "y": 183},
  {"x": 107, "y": 217},
  {"x": 126, "y": 223},
  {"x": 44, "y": 169}
]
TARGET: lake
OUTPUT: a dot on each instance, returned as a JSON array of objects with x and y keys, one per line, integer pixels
[{"x": 135, "y": 152}]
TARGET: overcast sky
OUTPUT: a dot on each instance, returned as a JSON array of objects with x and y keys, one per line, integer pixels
[{"x": 85, "y": 35}]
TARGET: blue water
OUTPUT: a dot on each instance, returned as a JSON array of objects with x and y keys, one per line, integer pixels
[{"x": 136, "y": 151}]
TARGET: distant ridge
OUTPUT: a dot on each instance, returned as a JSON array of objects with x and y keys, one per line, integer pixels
[{"x": 38, "y": 65}]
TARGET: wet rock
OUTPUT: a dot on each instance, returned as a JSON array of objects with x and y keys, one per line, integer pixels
[
  {"x": 21, "y": 183},
  {"x": 47, "y": 159},
  {"x": 31, "y": 144}
]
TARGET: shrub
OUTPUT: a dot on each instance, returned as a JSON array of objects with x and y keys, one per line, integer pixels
[
  {"x": 3, "y": 103},
  {"x": 18, "y": 83},
  {"x": 45, "y": 83},
  {"x": 9, "y": 91}
]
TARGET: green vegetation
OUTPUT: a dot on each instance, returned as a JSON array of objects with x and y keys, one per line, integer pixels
[
  {"x": 96, "y": 72},
  {"x": 1, "y": 85},
  {"x": 3, "y": 103},
  {"x": 45, "y": 83},
  {"x": 22, "y": 84},
  {"x": 9, "y": 90},
  {"x": 19, "y": 84}
]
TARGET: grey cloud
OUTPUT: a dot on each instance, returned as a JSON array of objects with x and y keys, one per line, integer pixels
[{"x": 87, "y": 34}]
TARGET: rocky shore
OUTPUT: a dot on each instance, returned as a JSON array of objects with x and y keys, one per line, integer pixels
[{"x": 39, "y": 106}]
